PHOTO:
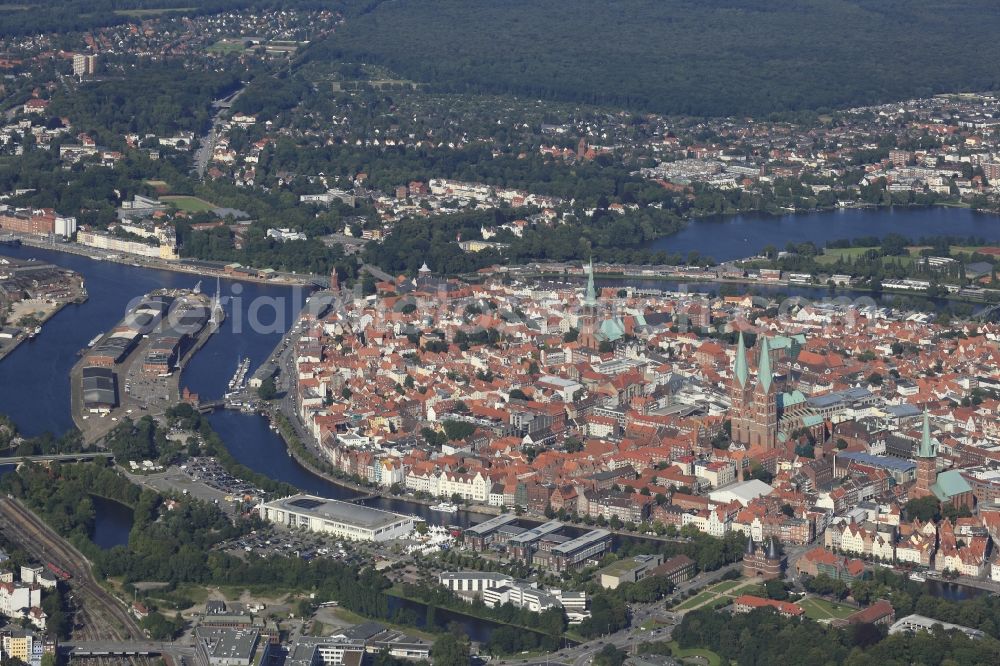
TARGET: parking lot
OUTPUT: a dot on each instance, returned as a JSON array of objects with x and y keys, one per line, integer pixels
[
  {"x": 307, "y": 545},
  {"x": 210, "y": 472}
]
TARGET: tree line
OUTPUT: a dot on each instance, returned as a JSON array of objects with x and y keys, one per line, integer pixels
[
  {"x": 764, "y": 637},
  {"x": 739, "y": 57}
]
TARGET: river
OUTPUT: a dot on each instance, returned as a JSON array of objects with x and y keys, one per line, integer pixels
[{"x": 34, "y": 384}]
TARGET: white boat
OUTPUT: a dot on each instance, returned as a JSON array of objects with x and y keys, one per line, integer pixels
[
  {"x": 239, "y": 378},
  {"x": 918, "y": 577},
  {"x": 94, "y": 341},
  {"x": 445, "y": 507}
]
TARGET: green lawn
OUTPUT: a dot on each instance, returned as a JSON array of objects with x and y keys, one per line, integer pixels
[
  {"x": 227, "y": 46},
  {"x": 821, "y": 609},
  {"x": 652, "y": 623},
  {"x": 712, "y": 658},
  {"x": 830, "y": 256},
  {"x": 189, "y": 204},
  {"x": 198, "y": 593},
  {"x": 695, "y": 600},
  {"x": 726, "y": 585}
]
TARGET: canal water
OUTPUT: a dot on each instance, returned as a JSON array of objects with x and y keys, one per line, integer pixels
[
  {"x": 34, "y": 384},
  {"x": 112, "y": 522},
  {"x": 251, "y": 441},
  {"x": 475, "y": 628},
  {"x": 953, "y": 591}
]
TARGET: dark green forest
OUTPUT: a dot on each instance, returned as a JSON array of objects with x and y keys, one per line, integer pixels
[
  {"x": 161, "y": 98},
  {"x": 726, "y": 57}
]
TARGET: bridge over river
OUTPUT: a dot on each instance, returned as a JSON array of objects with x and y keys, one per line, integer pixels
[{"x": 54, "y": 457}]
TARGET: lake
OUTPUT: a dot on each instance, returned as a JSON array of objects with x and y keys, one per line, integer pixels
[{"x": 733, "y": 237}]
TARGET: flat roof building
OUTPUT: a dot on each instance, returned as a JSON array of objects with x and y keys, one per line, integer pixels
[
  {"x": 231, "y": 647},
  {"x": 571, "y": 553},
  {"x": 100, "y": 389},
  {"x": 913, "y": 623},
  {"x": 479, "y": 536},
  {"x": 342, "y": 519},
  {"x": 629, "y": 570},
  {"x": 743, "y": 492}
]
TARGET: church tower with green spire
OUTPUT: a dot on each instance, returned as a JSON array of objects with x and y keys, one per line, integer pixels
[
  {"x": 764, "y": 429},
  {"x": 588, "y": 317},
  {"x": 926, "y": 461},
  {"x": 740, "y": 395},
  {"x": 754, "y": 405}
]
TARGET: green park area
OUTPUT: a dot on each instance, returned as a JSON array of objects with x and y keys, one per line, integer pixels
[
  {"x": 832, "y": 255},
  {"x": 227, "y": 45},
  {"x": 821, "y": 609},
  {"x": 694, "y": 655},
  {"x": 697, "y": 600},
  {"x": 188, "y": 204},
  {"x": 725, "y": 590}
]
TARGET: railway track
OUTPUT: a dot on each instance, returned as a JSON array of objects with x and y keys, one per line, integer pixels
[{"x": 105, "y": 616}]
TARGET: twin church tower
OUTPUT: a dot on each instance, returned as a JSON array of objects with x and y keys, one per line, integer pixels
[{"x": 754, "y": 412}]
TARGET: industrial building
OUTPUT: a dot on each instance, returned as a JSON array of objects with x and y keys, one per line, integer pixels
[
  {"x": 114, "y": 349},
  {"x": 332, "y": 651},
  {"x": 100, "y": 389},
  {"x": 231, "y": 647},
  {"x": 341, "y": 519},
  {"x": 349, "y": 647}
]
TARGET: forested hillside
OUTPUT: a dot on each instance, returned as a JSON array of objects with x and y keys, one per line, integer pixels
[{"x": 682, "y": 56}]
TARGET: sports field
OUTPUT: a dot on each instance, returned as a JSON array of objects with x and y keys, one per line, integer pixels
[{"x": 188, "y": 203}]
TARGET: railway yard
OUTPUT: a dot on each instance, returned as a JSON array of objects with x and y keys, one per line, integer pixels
[{"x": 97, "y": 614}]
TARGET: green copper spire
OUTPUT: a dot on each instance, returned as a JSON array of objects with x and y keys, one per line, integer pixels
[
  {"x": 740, "y": 366},
  {"x": 591, "y": 297},
  {"x": 764, "y": 374},
  {"x": 926, "y": 443}
]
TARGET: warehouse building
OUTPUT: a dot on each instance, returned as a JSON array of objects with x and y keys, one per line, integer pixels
[
  {"x": 100, "y": 389},
  {"x": 342, "y": 519},
  {"x": 231, "y": 647}
]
